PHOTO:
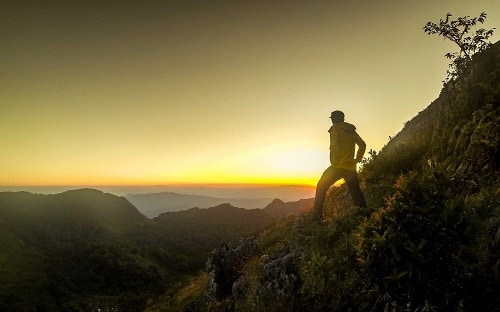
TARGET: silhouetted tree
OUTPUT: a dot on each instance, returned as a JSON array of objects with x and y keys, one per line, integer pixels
[{"x": 460, "y": 32}]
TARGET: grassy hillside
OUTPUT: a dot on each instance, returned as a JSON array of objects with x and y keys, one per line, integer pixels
[{"x": 429, "y": 241}]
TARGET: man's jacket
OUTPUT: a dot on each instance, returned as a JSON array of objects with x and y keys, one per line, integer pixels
[{"x": 343, "y": 137}]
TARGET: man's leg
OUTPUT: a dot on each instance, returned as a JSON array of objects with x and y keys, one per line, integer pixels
[
  {"x": 351, "y": 179},
  {"x": 330, "y": 176}
]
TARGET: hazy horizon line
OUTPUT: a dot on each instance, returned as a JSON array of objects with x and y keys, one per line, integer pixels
[{"x": 122, "y": 190}]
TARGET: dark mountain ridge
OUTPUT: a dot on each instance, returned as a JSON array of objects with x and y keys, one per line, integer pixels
[{"x": 71, "y": 208}]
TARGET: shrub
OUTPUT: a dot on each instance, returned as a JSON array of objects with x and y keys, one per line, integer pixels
[{"x": 415, "y": 253}]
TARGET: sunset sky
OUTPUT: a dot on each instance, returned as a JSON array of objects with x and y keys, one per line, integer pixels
[{"x": 167, "y": 92}]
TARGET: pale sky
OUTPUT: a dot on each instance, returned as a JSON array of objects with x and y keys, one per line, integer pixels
[{"x": 165, "y": 92}]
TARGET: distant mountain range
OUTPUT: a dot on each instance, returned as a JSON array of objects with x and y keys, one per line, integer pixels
[
  {"x": 153, "y": 204},
  {"x": 152, "y": 201}
]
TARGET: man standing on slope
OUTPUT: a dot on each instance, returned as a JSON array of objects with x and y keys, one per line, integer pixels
[{"x": 343, "y": 138}]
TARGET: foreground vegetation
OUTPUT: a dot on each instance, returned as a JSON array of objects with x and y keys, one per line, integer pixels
[{"x": 425, "y": 249}]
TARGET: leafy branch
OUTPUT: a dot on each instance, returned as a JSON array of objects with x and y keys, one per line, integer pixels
[{"x": 461, "y": 32}]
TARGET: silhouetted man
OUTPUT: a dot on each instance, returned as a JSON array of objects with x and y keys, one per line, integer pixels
[{"x": 343, "y": 138}]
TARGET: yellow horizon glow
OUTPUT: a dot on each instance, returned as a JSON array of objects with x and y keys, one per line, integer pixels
[
  {"x": 270, "y": 164},
  {"x": 216, "y": 181},
  {"x": 206, "y": 179},
  {"x": 176, "y": 185}
]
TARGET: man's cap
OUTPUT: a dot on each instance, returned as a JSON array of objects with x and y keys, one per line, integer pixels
[{"x": 337, "y": 115}]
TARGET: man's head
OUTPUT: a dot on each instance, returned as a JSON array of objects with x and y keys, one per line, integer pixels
[{"x": 337, "y": 116}]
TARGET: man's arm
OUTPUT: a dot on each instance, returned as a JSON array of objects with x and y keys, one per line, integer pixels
[{"x": 361, "y": 147}]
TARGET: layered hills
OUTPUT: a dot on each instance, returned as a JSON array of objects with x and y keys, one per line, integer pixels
[
  {"x": 153, "y": 204},
  {"x": 88, "y": 250},
  {"x": 181, "y": 198}
]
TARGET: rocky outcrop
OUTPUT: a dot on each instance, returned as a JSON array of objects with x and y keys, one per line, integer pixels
[
  {"x": 224, "y": 268},
  {"x": 473, "y": 148},
  {"x": 280, "y": 279}
]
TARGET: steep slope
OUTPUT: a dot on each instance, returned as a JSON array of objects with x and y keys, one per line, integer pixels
[
  {"x": 429, "y": 240},
  {"x": 459, "y": 131}
]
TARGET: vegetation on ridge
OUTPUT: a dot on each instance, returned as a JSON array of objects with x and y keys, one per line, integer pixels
[{"x": 458, "y": 32}]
